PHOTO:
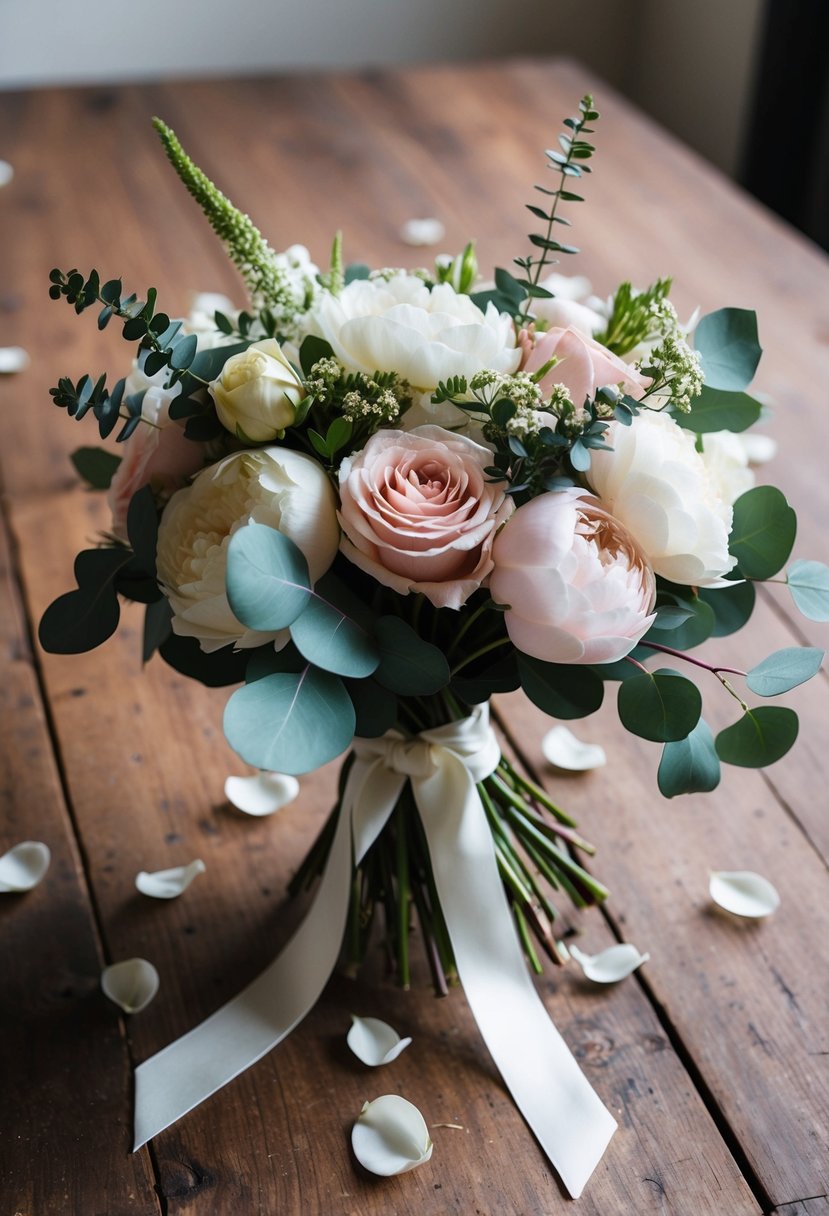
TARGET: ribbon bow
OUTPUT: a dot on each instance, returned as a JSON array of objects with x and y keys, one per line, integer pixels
[{"x": 443, "y": 765}]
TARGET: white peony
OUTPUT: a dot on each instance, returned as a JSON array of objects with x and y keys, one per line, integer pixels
[
  {"x": 425, "y": 335},
  {"x": 657, "y": 484},
  {"x": 274, "y": 486},
  {"x": 727, "y": 460},
  {"x": 573, "y": 305}
]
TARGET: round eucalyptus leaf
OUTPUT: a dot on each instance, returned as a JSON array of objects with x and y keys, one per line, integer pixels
[
  {"x": 759, "y": 738},
  {"x": 727, "y": 343},
  {"x": 662, "y": 707},
  {"x": 291, "y": 722},
  {"x": 732, "y": 606},
  {"x": 331, "y": 640},
  {"x": 375, "y": 707},
  {"x": 690, "y": 765},
  {"x": 408, "y": 665},
  {"x": 809, "y": 585},
  {"x": 762, "y": 532},
  {"x": 784, "y": 670},
  {"x": 80, "y": 620},
  {"x": 560, "y": 690},
  {"x": 267, "y": 578}
]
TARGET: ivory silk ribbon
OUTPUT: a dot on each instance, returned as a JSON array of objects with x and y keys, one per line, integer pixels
[{"x": 568, "y": 1118}]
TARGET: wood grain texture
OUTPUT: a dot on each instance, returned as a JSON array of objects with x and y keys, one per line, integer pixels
[
  {"x": 145, "y": 760},
  {"x": 805, "y": 1207},
  {"x": 63, "y": 1059}
]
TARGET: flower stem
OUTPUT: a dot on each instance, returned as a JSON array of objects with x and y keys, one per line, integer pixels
[
  {"x": 477, "y": 654},
  {"x": 679, "y": 654}
]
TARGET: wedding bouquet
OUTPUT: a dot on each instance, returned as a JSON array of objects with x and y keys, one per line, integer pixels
[{"x": 375, "y": 499}]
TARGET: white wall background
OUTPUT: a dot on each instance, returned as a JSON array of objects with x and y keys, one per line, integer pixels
[{"x": 687, "y": 62}]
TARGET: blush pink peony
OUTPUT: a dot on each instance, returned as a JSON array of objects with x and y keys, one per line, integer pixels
[
  {"x": 583, "y": 366},
  {"x": 579, "y": 588},
  {"x": 419, "y": 514}
]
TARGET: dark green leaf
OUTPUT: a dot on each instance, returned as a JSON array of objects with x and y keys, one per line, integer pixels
[
  {"x": 717, "y": 410},
  {"x": 732, "y": 606},
  {"x": 290, "y": 723},
  {"x": 142, "y": 529},
  {"x": 562, "y": 691},
  {"x": 157, "y": 626},
  {"x": 690, "y": 765},
  {"x": 727, "y": 343},
  {"x": 96, "y": 466},
  {"x": 759, "y": 738},
  {"x": 784, "y": 670},
  {"x": 265, "y": 661},
  {"x": 499, "y": 677},
  {"x": 662, "y": 706},
  {"x": 312, "y": 350},
  {"x": 409, "y": 665},
  {"x": 214, "y": 670},
  {"x": 184, "y": 352},
  {"x": 762, "y": 532},
  {"x": 374, "y": 706}
]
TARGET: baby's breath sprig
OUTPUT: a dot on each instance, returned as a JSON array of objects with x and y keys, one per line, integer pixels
[{"x": 365, "y": 402}]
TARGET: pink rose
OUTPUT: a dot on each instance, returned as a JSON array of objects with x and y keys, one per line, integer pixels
[
  {"x": 580, "y": 589},
  {"x": 419, "y": 513},
  {"x": 158, "y": 455},
  {"x": 583, "y": 366}
]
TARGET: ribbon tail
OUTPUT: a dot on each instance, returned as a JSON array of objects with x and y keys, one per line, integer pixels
[{"x": 568, "y": 1118}]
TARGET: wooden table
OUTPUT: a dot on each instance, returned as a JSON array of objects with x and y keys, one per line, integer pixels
[{"x": 715, "y": 1056}]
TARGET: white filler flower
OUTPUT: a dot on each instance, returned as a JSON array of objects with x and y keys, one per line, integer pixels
[
  {"x": 423, "y": 334},
  {"x": 274, "y": 486},
  {"x": 658, "y": 485}
]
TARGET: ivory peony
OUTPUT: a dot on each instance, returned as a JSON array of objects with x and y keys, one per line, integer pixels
[
  {"x": 275, "y": 486},
  {"x": 419, "y": 514},
  {"x": 658, "y": 485},
  {"x": 425, "y": 335},
  {"x": 583, "y": 366},
  {"x": 579, "y": 588}
]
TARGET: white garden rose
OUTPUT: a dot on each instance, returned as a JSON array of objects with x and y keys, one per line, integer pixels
[
  {"x": 424, "y": 334},
  {"x": 275, "y": 486},
  {"x": 657, "y": 484},
  {"x": 257, "y": 392}
]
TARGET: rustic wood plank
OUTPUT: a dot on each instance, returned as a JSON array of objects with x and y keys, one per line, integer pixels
[
  {"x": 146, "y": 769},
  {"x": 818, "y": 1206},
  {"x": 63, "y": 1060}
]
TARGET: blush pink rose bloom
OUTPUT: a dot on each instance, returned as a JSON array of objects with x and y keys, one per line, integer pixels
[
  {"x": 419, "y": 514},
  {"x": 583, "y": 366},
  {"x": 158, "y": 455},
  {"x": 580, "y": 589}
]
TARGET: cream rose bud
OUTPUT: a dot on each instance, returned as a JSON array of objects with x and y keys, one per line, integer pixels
[
  {"x": 420, "y": 515},
  {"x": 579, "y": 588},
  {"x": 258, "y": 392},
  {"x": 658, "y": 485},
  {"x": 275, "y": 486}
]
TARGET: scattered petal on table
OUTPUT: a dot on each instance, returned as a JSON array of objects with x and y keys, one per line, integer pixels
[
  {"x": 13, "y": 359},
  {"x": 375, "y": 1042},
  {"x": 390, "y": 1136},
  {"x": 422, "y": 232},
  {"x": 6, "y": 173},
  {"x": 610, "y": 965},
  {"x": 24, "y": 866},
  {"x": 759, "y": 449},
  {"x": 562, "y": 749},
  {"x": 261, "y": 794},
  {"x": 131, "y": 984},
  {"x": 167, "y": 884},
  {"x": 743, "y": 893}
]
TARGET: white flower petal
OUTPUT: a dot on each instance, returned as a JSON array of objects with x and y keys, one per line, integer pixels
[
  {"x": 261, "y": 794},
  {"x": 6, "y": 173},
  {"x": 131, "y": 984},
  {"x": 375, "y": 1042},
  {"x": 743, "y": 893},
  {"x": 13, "y": 359},
  {"x": 390, "y": 1136},
  {"x": 422, "y": 232},
  {"x": 610, "y": 965},
  {"x": 167, "y": 884},
  {"x": 759, "y": 449},
  {"x": 562, "y": 749},
  {"x": 24, "y": 866}
]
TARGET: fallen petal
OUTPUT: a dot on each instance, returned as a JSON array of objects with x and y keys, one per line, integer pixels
[
  {"x": 131, "y": 984},
  {"x": 167, "y": 884},
  {"x": 261, "y": 794},
  {"x": 422, "y": 232},
  {"x": 375, "y": 1042},
  {"x": 743, "y": 893},
  {"x": 24, "y": 866},
  {"x": 610, "y": 965},
  {"x": 390, "y": 1136},
  {"x": 13, "y": 359},
  {"x": 6, "y": 173},
  {"x": 563, "y": 750}
]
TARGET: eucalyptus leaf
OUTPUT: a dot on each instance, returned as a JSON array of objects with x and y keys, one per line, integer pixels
[
  {"x": 268, "y": 585},
  {"x": 732, "y": 606},
  {"x": 690, "y": 765},
  {"x": 808, "y": 582},
  {"x": 142, "y": 530},
  {"x": 331, "y": 640},
  {"x": 760, "y": 737},
  {"x": 290, "y": 722},
  {"x": 715, "y": 409},
  {"x": 560, "y": 690},
  {"x": 728, "y": 347},
  {"x": 762, "y": 532},
  {"x": 784, "y": 670},
  {"x": 96, "y": 466},
  {"x": 158, "y": 624},
  {"x": 408, "y": 665},
  {"x": 375, "y": 708},
  {"x": 215, "y": 670},
  {"x": 663, "y": 706}
]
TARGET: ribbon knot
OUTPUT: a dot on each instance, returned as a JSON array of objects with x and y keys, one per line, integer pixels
[{"x": 410, "y": 758}]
